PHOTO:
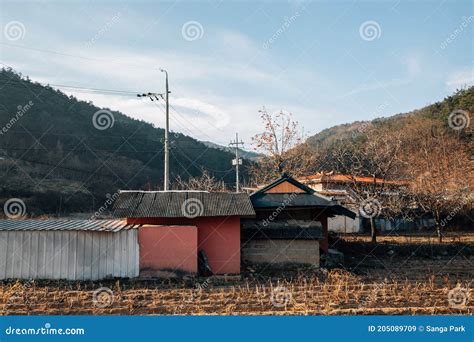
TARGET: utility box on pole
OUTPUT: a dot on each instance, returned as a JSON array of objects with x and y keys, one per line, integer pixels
[{"x": 237, "y": 161}]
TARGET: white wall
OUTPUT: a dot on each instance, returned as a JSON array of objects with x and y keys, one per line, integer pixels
[
  {"x": 343, "y": 224},
  {"x": 72, "y": 255}
]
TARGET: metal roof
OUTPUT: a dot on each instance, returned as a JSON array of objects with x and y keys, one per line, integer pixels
[
  {"x": 188, "y": 204},
  {"x": 62, "y": 225}
]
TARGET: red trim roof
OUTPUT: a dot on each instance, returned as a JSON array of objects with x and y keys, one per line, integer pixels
[{"x": 341, "y": 178}]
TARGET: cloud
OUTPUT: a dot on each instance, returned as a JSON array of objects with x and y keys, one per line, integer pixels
[
  {"x": 365, "y": 87},
  {"x": 460, "y": 79}
]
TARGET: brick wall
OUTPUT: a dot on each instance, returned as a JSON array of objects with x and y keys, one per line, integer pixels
[{"x": 281, "y": 251}]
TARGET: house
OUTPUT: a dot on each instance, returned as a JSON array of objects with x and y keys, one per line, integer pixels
[
  {"x": 179, "y": 227},
  {"x": 290, "y": 224},
  {"x": 340, "y": 188},
  {"x": 68, "y": 249}
]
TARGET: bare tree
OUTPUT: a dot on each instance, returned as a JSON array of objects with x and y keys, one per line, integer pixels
[
  {"x": 283, "y": 149},
  {"x": 371, "y": 165},
  {"x": 437, "y": 162},
  {"x": 205, "y": 182}
]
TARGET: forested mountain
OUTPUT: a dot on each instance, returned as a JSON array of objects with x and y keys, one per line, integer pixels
[
  {"x": 460, "y": 100},
  {"x": 54, "y": 158},
  {"x": 242, "y": 153}
]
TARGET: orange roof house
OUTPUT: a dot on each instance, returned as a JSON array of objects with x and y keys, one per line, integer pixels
[{"x": 341, "y": 178}]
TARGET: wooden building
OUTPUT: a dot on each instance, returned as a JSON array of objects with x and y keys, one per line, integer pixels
[{"x": 290, "y": 224}]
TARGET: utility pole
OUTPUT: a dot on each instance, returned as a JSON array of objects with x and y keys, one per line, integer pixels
[
  {"x": 167, "y": 129},
  {"x": 156, "y": 96},
  {"x": 237, "y": 161}
]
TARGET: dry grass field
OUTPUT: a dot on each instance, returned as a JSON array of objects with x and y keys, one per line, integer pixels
[{"x": 408, "y": 281}]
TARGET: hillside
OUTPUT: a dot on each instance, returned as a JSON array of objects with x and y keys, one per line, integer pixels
[
  {"x": 242, "y": 153},
  {"x": 54, "y": 158},
  {"x": 462, "y": 99}
]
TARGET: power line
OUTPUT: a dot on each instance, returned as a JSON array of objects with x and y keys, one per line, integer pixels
[
  {"x": 77, "y": 88},
  {"x": 139, "y": 66},
  {"x": 59, "y": 167}
]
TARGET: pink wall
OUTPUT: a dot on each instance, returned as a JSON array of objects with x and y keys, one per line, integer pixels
[
  {"x": 219, "y": 237},
  {"x": 163, "y": 248}
]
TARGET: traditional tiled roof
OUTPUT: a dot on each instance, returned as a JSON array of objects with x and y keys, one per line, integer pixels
[
  {"x": 191, "y": 204},
  {"x": 306, "y": 198}
]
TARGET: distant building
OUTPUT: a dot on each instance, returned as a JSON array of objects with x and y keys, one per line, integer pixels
[{"x": 339, "y": 187}]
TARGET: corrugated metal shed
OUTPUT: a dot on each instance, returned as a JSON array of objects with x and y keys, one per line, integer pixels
[
  {"x": 68, "y": 249},
  {"x": 181, "y": 204},
  {"x": 71, "y": 225}
]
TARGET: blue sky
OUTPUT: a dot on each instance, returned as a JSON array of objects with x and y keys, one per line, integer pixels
[{"x": 327, "y": 62}]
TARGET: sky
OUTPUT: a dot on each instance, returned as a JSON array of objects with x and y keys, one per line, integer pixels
[{"x": 326, "y": 62}]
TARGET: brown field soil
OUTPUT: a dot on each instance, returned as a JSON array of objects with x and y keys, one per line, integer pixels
[{"x": 377, "y": 282}]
